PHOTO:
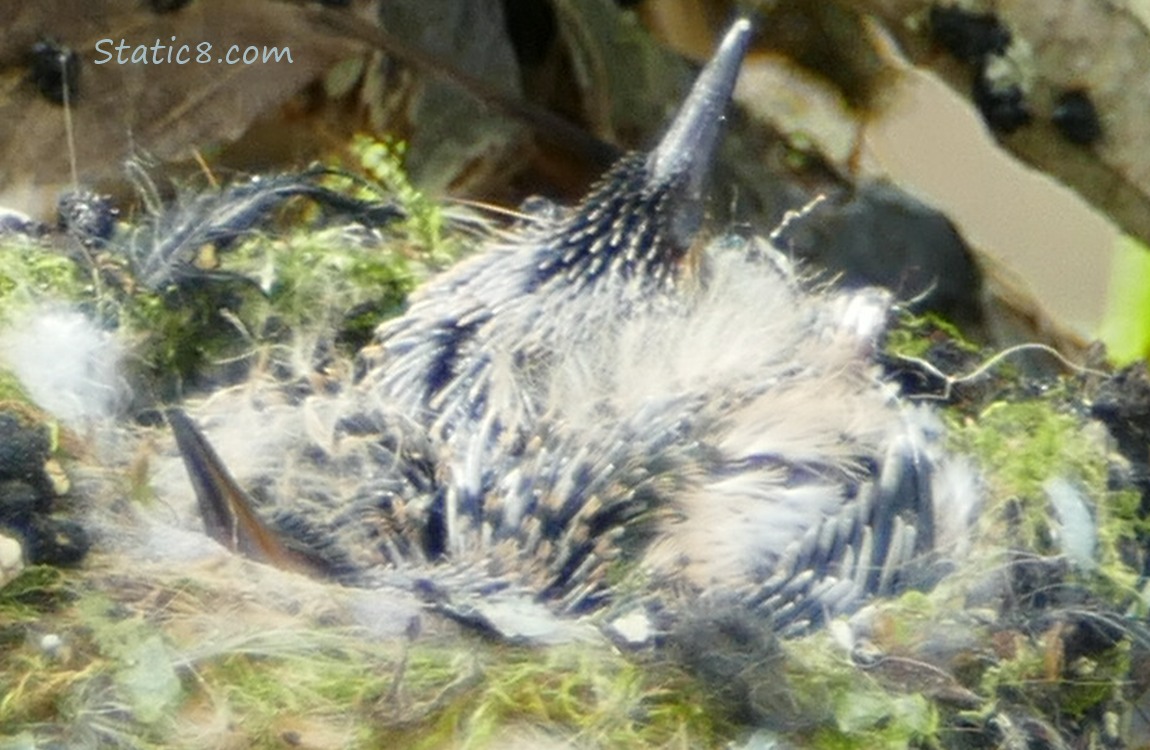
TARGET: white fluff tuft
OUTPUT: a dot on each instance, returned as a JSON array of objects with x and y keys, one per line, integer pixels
[{"x": 66, "y": 363}]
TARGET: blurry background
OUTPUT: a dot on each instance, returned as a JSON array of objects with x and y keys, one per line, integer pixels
[{"x": 987, "y": 157}]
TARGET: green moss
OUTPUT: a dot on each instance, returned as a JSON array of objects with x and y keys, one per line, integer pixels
[
  {"x": 260, "y": 691},
  {"x": 34, "y": 686},
  {"x": 302, "y": 285},
  {"x": 38, "y": 590},
  {"x": 162, "y": 676},
  {"x": 30, "y": 273},
  {"x": 382, "y": 160},
  {"x": 463, "y": 695},
  {"x": 1091, "y": 684},
  {"x": 1022, "y": 446},
  {"x": 1037, "y": 677},
  {"x": 583, "y": 693},
  {"x": 1012, "y": 677},
  {"x": 915, "y": 335},
  {"x": 845, "y": 707},
  {"x": 178, "y": 334},
  {"x": 139, "y": 659},
  {"x": 322, "y": 281},
  {"x": 307, "y": 284},
  {"x": 85, "y": 688}
]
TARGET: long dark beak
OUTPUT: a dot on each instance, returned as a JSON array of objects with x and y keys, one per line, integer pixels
[
  {"x": 687, "y": 151},
  {"x": 228, "y": 513}
]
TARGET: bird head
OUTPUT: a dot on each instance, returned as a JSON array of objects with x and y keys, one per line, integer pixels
[{"x": 643, "y": 216}]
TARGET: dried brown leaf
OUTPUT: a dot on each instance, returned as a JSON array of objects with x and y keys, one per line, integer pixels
[{"x": 166, "y": 109}]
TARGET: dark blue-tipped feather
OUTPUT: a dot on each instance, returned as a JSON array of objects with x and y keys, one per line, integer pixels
[{"x": 577, "y": 417}]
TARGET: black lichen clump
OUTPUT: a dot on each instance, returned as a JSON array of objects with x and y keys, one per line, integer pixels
[
  {"x": 16, "y": 223},
  {"x": 28, "y": 498},
  {"x": 982, "y": 41},
  {"x": 87, "y": 216},
  {"x": 55, "y": 70},
  {"x": 1003, "y": 105},
  {"x": 24, "y": 448},
  {"x": 167, "y": 6},
  {"x": 1123, "y": 405},
  {"x": 1076, "y": 118},
  {"x": 968, "y": 36}
]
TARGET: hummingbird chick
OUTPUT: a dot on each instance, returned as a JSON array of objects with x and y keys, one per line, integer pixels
[{"x": 607, "y": 410}]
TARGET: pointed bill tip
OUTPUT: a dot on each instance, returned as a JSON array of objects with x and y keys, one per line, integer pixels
[
  {"x": 227, "y": 512},
  {"x": 688, "y": 148}
]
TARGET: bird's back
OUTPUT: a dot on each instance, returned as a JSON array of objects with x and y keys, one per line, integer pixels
[{"x": 603, "y": 398}]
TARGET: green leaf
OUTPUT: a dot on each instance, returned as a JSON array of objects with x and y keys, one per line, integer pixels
[{"x": 1126, "y": 327}]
